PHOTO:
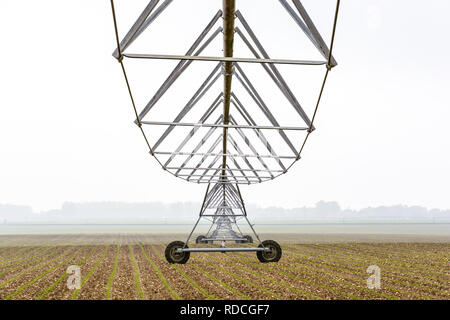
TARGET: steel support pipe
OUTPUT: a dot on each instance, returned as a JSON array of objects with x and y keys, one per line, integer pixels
[
  {"x": 228, "y": 41},
  {"x": 221, "y": 249}
]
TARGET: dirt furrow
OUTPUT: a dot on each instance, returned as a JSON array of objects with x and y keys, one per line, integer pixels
[
  {"x": 18, "y": 268},
  {"x": 179, "y": 284},
  {"x": 32, "y": 290},
  {"x": 417, "y": 257},
  {"x": 408, "y": 281},
  {"x": 244, "y": 281},
  {"x": 322, "y": 287},
  {"x": 356, "y": 277},
  {"x": 10, "y": 285},
  {"x": 22, "y": 257},
  {"x": 212, "y": 288},
  {"x": 153, "y": 285},
  {"x": 384, "y": 263},
  {"x": 58, "y": 289},
  {"x": 95, "y": 286},
  {"x": 123, "y": 286},
  {"x": 9, "y": 254}
]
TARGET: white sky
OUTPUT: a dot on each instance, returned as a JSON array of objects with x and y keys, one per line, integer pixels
[{"x": 382, "y": 138}]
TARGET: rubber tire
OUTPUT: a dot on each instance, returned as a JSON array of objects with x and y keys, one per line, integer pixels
[
  {"x": 173, "y": 257},
  {"x": 200, "y": 239},
  {"x": 272, "y": 256},
  {"x": 249, "y": 239}
]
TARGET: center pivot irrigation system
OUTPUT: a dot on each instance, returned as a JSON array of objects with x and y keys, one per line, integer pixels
[{"x": 225, "y": 153}]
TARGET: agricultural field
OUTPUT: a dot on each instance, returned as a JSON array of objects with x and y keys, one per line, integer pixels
[{"x": 134, "y": 267}]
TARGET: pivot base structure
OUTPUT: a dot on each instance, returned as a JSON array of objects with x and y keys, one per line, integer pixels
[{"x": 223, "y": 207}]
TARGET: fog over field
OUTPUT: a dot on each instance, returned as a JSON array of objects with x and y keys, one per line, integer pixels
[
  {"x": 156, "y": 212},
  {"x": 325, "y": 218}
]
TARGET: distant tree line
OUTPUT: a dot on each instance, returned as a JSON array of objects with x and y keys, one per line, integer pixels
[{"x": 105, "y": 212}]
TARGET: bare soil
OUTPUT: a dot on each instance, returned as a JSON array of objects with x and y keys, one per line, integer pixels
[{"x": 307, "y": 270}]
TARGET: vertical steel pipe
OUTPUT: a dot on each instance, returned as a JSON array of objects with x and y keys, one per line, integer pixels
[{"x": 228, "y": 40}]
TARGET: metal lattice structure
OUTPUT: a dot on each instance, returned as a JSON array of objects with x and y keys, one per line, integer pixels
[{"x": 226, "y": 143}]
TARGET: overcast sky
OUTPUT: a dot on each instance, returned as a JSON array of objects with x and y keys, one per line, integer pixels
[{"x": 66, "y": 123}]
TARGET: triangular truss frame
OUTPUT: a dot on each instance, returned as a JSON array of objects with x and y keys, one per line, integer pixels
[{"x": 228, "y": 68}]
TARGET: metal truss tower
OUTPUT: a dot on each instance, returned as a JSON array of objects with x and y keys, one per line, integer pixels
[{"x": 228, "y": 145}]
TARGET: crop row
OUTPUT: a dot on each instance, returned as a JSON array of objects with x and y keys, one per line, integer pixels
[{"x": 141, "y": 272}]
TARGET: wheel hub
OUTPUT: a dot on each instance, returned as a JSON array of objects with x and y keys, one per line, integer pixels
[
  {"x": 176, "y": 255},
  {"x": 270, "y": 255}
]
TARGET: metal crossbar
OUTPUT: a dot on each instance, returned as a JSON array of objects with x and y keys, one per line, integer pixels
[
  {"x": 215, "y": 125},
  {"x": 223, "y": 59},
  {"x": 209, "y": 154}
]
